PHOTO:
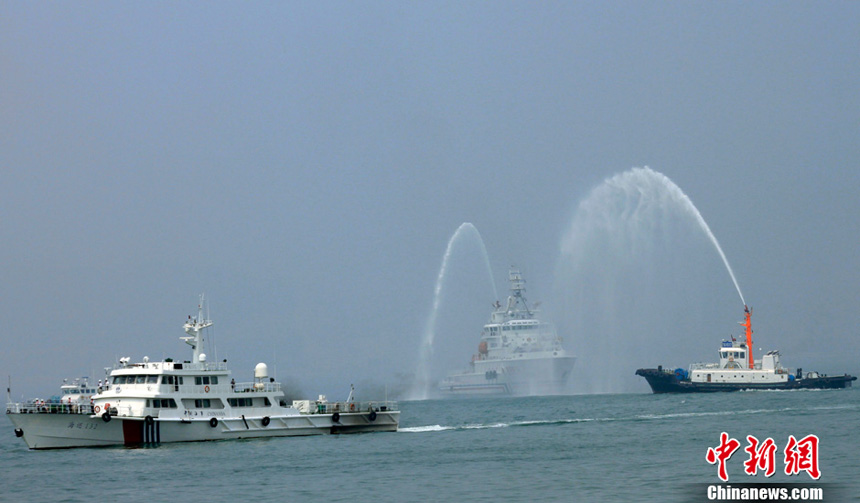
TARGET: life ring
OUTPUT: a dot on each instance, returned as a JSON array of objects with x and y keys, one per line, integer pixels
[
  {"x": 106, "y": 417},
  {"x": 265, "y": 421},
  {"x": 372, "y": 416},
  {"x": 352, "y": 407},
  {"x": 148, "y": 420},
  {"x": 213, "y": 422},
  {"x": 206, "y": 389},
  {"x": 97, "y": 409},
  {"x": 335, "y": 417}
]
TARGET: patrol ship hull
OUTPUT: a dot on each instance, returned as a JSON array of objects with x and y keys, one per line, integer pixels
[
  {"x": 664, "y": 381},
  {"x": 58, "y": 430},
  {"x": 524, "y": 376}
]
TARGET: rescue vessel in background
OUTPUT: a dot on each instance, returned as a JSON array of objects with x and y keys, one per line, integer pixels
[{"x": 518, "y": 354}]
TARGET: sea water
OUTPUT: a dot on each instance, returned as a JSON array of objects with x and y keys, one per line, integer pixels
[{"x": 615, "y": 447}]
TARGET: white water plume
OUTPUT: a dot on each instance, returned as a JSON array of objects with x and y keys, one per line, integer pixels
[
  {"x": 634, "y": 282},
  {"x": 641, "y": 190},
  {"x": 422, "y": 377}
]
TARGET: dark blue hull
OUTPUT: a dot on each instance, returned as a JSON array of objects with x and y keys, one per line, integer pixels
[{"x": 662, "y": 381}]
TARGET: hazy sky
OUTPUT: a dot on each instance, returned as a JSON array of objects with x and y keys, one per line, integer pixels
[{"x": 305, "y": 165}]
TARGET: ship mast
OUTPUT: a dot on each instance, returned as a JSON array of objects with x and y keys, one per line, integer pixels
[
  {"x": 747, "y": 324},
  {"x": 518, "y": 288},
  {"x": 194, "y": 328}
]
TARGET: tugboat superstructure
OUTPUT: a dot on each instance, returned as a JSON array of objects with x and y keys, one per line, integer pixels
[
  {"x": 517, "y": 354},
  {"x": 157, "y": 402},
  {"x": 738, "y": 370}
]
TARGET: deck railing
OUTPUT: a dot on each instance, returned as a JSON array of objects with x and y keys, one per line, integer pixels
[
  {"x": 341, "y": 407},
  {"x": 41, "y": 407}
]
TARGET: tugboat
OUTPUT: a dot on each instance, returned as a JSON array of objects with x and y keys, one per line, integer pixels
[
  {"x": 737, "y": 370},
  {"x": 151, "y": 403},
  {"x": 518, "y": 353}
]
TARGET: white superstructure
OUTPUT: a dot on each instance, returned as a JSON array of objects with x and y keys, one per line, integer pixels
[
  {"x": 517, "y": 354},
  {"x": 77, "y": 392},
  {"x": 731, "y": 368},
  {"x": 168, "y": 401}
]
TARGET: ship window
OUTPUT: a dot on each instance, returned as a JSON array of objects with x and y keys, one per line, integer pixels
[
  {"x": 214, "y": 379},
  {"x": 202, "y": 404},
  {"x": 198, "y": 380},
  {"x": 152, "y": 379},
  {"x": 141, "y": 380},
  {"x": 155, "y": 403},
  {"x": 743, "y": 355},
  {"x": 267, "y": 402}
]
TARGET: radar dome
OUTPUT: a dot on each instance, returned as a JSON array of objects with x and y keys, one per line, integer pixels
[
  {"x": 261, "y": 371},
  {"x": 202, "y": 357}
]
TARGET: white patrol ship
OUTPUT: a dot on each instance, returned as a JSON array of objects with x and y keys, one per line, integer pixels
[
  {"x": 518, "y": 353},
  {"x": 149, "y": 403}
]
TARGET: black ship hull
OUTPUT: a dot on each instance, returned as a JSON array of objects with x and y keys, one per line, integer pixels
[{"x": 662, "y": 381}]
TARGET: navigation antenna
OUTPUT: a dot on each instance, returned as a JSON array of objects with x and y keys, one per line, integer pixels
[{"x": 194, "y": 328}]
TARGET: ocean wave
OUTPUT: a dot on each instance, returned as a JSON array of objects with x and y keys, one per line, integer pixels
[
  {"x": 641, "y": 417},
  {"x": 424, "y": 429},
  {"x": 436, "y": 427},
  {"x": 713, "y": 413}
]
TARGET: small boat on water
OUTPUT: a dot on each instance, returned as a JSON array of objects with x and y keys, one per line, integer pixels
[
  {"x": 150, "y": 403},
  {"x": 738, "y": 370},
  {"x": 518, "y": 353}
]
